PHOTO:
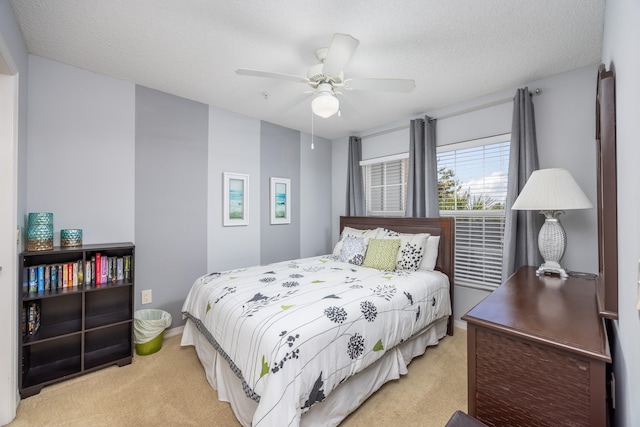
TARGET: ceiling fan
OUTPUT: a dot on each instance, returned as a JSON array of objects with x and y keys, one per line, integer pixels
[{"x": 325, "y": 77}]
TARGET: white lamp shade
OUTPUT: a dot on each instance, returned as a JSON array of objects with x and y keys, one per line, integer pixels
[
  {"x": 325, "y": 105},
  {"x": 551, "y": 190}
]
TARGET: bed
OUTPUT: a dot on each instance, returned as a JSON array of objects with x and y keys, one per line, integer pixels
[{"x": 305, "y": 342}]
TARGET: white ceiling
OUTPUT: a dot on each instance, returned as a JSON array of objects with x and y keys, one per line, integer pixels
[{"x": 455, "y": 50}]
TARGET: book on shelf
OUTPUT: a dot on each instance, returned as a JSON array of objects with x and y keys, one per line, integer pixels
[
  {"x": 33, "y": 317},
  {"x": 127, "y": 267},
  {"x": 41, "y": 278},
  {"x": 87, "y": 272},
  {"x": 97, "y": 269},
  {"x": 47, "y": 277},
  {"x": 65, "y": 276},
  {"x": 25, "y": 280},
  {"x": 54, "y": 276},
  {"x": 104, "y": 274},
  {"x": 100, "y": 269},
  {"x": 120, "y": 268},
  {"x": 60, "y": 281},
  {"x": 33, "y": 279},
  {"x": 80, "y": 269}
]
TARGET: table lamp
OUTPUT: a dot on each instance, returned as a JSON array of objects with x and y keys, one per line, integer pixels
[{"x": 551, "y": 191}]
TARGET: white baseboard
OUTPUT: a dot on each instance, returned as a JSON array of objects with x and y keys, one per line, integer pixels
[
  {"x": 173, "y": 332},
  {"x": 460, "y": 324}
]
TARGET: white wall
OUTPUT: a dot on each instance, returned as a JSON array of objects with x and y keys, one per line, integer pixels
[
  {"x": 234, "y": 146},
  {"x": 81, "y": 151},
  {"x": 565, "y": 126},
  {"x": 620, "y": 48}
]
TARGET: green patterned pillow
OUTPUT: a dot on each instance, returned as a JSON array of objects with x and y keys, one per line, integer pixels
[{"x": 382, "y": 254}]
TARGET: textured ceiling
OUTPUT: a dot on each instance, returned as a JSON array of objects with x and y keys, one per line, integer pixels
[{"x": 455, "y": 50}]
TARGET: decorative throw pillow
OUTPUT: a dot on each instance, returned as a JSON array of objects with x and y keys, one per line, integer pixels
[
  {"x": 412, "y": 248},
  {"x": 430, "y": 254},
  {"x": 353, "y": 250},
  {"x": 355, "y": 232},
  {"x": 411, "y": 251},
  {"x": 382, "y": 254}
]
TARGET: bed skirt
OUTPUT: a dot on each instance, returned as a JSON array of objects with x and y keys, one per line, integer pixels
[{"x": 340, "y": 402}]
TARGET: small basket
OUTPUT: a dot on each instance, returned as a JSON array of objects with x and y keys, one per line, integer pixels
[{"x": 70, "y": 238}]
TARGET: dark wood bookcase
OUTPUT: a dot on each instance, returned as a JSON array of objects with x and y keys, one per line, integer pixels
[{"x": 82, "y": 328}]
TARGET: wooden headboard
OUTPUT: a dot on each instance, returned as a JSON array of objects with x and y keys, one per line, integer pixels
[{"x": 443, "y": 227}]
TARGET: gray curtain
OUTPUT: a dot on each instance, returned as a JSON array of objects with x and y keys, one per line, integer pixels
[
  {"x": 521, "y": 227},
  {"x": 355, "y": 188},
  {"x": 422, "y": 184}
]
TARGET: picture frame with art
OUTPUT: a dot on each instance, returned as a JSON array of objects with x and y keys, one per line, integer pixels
[
  {"x": 280, "y": 200},
  {"x": 235, "y": 199}
]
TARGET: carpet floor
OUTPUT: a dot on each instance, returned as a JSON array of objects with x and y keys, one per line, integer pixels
[{"x": 169, "y": 388}]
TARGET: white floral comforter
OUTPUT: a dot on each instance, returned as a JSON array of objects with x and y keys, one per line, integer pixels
[{"x": 293, "y": 331}]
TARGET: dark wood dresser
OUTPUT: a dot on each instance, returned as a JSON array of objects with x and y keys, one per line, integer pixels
[{"x": 538, "y": 353}]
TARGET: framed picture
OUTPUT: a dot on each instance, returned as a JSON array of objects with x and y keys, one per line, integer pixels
[
  {"x": 280, "y": 201},
  {"x": 236, "y": 199}
]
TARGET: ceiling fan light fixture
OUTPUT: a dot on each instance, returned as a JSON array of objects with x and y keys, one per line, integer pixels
[{"x": 325, "y": 105}]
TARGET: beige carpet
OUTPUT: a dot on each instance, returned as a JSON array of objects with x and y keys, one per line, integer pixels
[{"x": 169, "y": 388}]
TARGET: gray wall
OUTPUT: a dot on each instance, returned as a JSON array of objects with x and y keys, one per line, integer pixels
[
  {"x": 234, "y": 146},
  {"x": 315, "y": 196},
  {"x": 279, "y": 158},
  {"x": 565, "y": 129},
  {"x": 171, "y": 196},
  {"x": 14, "y": 42},
  {"x": 165, "y": 156},
  {"x": 81, "y": 131},
  {"x": 620, "y": 48}
]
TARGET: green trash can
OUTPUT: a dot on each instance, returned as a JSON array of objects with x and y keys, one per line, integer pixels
[{"x": 148, "y": 330}]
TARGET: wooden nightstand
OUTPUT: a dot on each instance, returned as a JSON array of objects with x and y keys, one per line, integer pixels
[{"x": 538, "y": 353}]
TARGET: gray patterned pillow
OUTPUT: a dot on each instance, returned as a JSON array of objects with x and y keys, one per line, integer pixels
[{"x": 353, "y": 250}]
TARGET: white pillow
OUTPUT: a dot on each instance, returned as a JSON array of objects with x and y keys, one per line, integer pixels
[
  {"x": 348, "y": 231},
  {"x": 431, "y": 254}
]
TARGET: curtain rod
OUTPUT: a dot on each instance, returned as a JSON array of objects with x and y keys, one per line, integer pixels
[{"x": 536, "y": 91}]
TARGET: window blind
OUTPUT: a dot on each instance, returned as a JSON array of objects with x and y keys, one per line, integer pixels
[
  {"x": 386, "y": 187},
  {"x": 472, "y": 189}
]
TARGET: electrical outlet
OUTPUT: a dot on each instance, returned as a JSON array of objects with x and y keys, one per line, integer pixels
[{"x": 146, "y": 297}]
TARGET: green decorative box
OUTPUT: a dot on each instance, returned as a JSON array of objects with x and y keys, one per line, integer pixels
[{"x": 70, "y": 237}]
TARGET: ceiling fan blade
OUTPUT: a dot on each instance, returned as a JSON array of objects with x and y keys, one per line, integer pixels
[
  {"x": 380, "y": 85},
  {"x": 296, "y": 101},
  {"x": 339, "y": 54},
  {"x": 346, "y": 107},
  {"x": 267, "y": 74}
]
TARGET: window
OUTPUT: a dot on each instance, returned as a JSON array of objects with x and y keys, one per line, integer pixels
[
  {"x": 385, "y": 185},
  {"x": 472, "y": 186}
]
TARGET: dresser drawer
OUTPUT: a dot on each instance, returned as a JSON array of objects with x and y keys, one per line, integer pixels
[{"x": 519, "y": 383}]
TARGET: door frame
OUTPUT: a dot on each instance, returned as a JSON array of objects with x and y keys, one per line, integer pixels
[{"x": 9, "y": 234}]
